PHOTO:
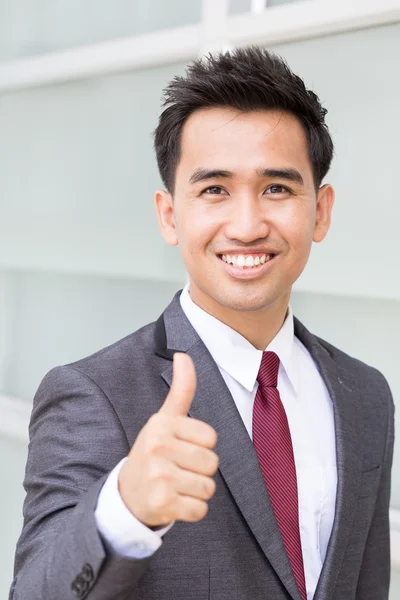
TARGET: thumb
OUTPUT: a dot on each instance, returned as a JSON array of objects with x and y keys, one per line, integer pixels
[{"x": 183, "y": 386}]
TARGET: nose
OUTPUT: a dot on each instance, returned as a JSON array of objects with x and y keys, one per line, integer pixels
[{"x": 248, "y": 220}]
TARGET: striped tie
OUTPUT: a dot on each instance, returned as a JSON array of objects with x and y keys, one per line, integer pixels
[{"x": 273, "y": 444}]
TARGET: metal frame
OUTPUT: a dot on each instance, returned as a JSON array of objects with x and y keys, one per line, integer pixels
[{"x": 302, "y": 19}]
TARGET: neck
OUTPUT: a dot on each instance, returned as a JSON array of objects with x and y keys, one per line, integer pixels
[{"x": 258, "y": 327}]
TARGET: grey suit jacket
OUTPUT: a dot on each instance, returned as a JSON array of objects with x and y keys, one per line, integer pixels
[{"x": 86, "y": 417}]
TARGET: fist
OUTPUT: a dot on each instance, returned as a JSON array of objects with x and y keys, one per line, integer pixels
[{"x": 168, "y": 474}]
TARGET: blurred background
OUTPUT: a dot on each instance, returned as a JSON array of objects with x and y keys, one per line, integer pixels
[{"x": 82, "y": 263}]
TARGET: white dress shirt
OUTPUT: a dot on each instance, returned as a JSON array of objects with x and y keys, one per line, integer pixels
[{"x": 310, "y": 415}]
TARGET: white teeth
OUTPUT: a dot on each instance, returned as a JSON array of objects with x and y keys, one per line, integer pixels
[{"x": 248, "y": 261}]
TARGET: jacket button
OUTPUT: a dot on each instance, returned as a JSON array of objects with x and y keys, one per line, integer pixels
[
  {"x": 82, "y": 581},
  {"x": 87, "y": 573},
  {"x": 77, "y": 588}
]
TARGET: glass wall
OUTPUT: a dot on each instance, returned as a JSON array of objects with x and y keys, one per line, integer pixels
[
  {"x": 33, "y": 27},
  {"x": 85, "y": 200},
  {"x": 12, "y": 466}
]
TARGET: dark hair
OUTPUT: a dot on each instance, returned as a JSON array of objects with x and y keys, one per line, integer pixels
[{"x": 245, "y": 79}]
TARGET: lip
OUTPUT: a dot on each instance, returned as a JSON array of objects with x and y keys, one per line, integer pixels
[
  {"x": 248, "y": 273},
  {"x": 252, "y": 252}
]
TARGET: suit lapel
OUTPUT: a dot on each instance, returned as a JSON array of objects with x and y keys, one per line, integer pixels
[{"x": 346, "y": 400}]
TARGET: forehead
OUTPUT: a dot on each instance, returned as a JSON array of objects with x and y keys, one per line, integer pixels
[{"x": 237, "y": 141}]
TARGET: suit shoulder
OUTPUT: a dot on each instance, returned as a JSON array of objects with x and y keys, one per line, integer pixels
[
  {"x": 138, "y": 343},
  {"x": 363, "y": 372}
]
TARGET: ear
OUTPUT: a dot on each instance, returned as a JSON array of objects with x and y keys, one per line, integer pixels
[
  {"x": 166, "y": 217},
  {"x": 325, "y": 200}
]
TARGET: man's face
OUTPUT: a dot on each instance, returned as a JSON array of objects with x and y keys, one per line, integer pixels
[{"x": 245, "y": 210}]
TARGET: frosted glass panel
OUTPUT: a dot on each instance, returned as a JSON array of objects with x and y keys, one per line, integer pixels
[
  {"x": 366, "y": 328},
  {"x": 278, "y": 2},
  {"x": 356, "y": 75},
  {"x": 53, "y": 319},
  {"x": 395, "y": 585},
  {"x": 78, "y": 175},
  {"x": 12, "y": 468},
  {"x": 242, "y": 6},
  {"x": 39, "y": 26},
  {"x": 239, "y": 6}
]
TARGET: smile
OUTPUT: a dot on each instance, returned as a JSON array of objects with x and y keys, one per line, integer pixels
[
  {"x": 246, "y": 261},
  {"x": 247, "y": 266}
]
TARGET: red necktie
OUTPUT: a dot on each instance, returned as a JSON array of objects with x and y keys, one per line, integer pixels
[{"x": 273, "y": 444}]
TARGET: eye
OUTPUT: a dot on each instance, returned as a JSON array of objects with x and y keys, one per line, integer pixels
[
  {"x": 277, "y": 189},
  {"x": 213, "y": 190}
]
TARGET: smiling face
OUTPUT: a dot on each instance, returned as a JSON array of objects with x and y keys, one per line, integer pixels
[{"x": 245, "y": 211}]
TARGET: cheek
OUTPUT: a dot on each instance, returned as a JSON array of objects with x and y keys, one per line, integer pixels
[
  {"x": 296, "y": 226},
  {"x": 196, "y": 229}
]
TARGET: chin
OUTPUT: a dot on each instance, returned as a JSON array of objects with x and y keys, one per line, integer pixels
[{"x": 246, "y": 302}]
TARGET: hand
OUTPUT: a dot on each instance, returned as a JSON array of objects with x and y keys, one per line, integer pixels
[{"x": 167, "y": 476}]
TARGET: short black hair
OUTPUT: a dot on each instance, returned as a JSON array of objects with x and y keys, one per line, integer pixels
[{"x": 246, "y": 79}]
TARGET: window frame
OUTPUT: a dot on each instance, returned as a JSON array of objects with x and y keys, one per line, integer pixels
[{"x": 297, "y": 20}]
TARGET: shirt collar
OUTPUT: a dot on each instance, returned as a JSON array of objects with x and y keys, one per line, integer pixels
[{"x": 232, "y": 352}]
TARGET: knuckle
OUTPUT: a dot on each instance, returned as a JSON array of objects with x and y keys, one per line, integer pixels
[
  {"x": 209, "y": 487},
  {"x": 156, "y": 502},
  {"x": 159, "y": 472},
  {"x": 160, "y": 500},
  {"x": 208, "y": 434},
  {"x": 193, "y": 510},
  {"x": 213, "y": 487},
  {"x": 158, "y": 445},
  {"x": 212, "y": 463},
  {"x": 202, "y": 510},
  {"x": 159, "y": 422},
  {"x": 154, "y": 472},
  {"x": 154, "y": 446}
]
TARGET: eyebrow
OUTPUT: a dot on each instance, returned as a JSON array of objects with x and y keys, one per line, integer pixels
[{"x": 287, "y": 174}]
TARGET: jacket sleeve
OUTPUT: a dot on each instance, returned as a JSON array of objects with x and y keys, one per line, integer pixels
[
  {"x": 374, "y": 579},
  {"x": 76, "y": 439}
]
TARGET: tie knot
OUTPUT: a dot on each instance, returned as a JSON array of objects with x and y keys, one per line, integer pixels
[{"x": 268, "y": 373}]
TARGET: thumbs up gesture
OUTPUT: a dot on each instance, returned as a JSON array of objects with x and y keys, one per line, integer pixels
[{"x": 168, "y": 474}]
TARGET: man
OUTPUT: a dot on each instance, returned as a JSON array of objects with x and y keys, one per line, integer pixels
[{"x": 223, "y": 451}]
